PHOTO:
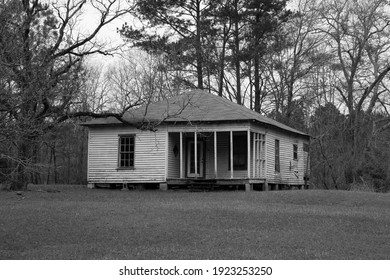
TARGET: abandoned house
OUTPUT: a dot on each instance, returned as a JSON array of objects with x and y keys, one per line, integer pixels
[{"x": 196, "y": 139}]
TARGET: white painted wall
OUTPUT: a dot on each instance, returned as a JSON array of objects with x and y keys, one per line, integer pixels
[
  {"x": 149, "y": 165},
  {"x": 287, "y": 164}
]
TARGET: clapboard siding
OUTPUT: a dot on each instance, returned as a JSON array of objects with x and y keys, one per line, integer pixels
[
  {"x": 149, "y": 164},
  {"x": 288, "y": 165},
  {"x": 209, "y": 127}
]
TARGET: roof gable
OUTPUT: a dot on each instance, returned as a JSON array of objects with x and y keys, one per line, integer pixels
[{"x": 193, "y": 106}]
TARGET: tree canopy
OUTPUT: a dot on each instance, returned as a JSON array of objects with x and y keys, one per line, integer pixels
[{"x": 41, "y": 61}]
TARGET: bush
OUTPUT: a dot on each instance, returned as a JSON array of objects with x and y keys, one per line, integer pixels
[
  {"x": 373, "y": 170},
  {"x": 361, "y": 187}
]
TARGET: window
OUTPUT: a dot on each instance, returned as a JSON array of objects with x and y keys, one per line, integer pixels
[
  {"x": 126, "y": 151},
  {"x": 295, "y": 151},
  {"x": 240, "y": 152},
  {"x": 277, "y": 156}
]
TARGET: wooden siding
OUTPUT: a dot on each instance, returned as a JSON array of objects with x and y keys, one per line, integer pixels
[
  {"x": 150, "y": 155},
  {"x": 209, "y": 127},
  {"x": 291, "y": 171}
]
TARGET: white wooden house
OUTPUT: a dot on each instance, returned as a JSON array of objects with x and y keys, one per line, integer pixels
[{"x": 196, "y": 138}]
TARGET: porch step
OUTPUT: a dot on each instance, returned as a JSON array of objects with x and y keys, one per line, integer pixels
[{"x": 201, "y": 185}]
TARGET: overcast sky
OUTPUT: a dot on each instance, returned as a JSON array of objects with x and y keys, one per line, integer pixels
[{"x": 108, "y": 34}]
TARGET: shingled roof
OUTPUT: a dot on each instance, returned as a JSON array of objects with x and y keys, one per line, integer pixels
[{"x": 193, "y": 106}]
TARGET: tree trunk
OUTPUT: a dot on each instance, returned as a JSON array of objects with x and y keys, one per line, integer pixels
[
  {"x": 222, "y": 62},
  {"x": 251, "y": 98},
  {"x": 237, "y": 53},
  {"x": 199, "y": 54},
  {"x": 257, "y": 84},
  {"x": 289, "y": 109},
  {"x": 20, "y": 180},
  {"x": 55, "y": 163},
  {"x": 35, "y": 172},
  {"x": 69, "y": 153},
  {"x": 49, "y": 167}
]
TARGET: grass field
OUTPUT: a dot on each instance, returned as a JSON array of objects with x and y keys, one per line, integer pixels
[{"x": 77, "y": 223}]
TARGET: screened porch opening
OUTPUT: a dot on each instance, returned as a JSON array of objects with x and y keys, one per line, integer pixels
[{"x": 210, "y": 155}]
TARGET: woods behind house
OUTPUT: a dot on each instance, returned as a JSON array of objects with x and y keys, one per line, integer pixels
[{"x": 318, "y": 66}]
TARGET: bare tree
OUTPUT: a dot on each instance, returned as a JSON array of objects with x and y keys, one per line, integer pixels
[
  {"x": 41, "y": 55},
  {"x": 295, "y": 54},
  {"x": 357, "y": 32}
]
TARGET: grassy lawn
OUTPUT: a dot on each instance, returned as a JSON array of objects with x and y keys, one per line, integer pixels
[{"x": 77, "y": 223}]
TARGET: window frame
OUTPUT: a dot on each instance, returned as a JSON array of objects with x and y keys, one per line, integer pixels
[
  {"x": 130, "y": 152},
  {"x": 295, "y": 152},
  {"x": 277, "y": 155}
]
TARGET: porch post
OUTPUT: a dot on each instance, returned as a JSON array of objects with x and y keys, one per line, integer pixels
[
  {"x": 249, "y": 152},
  {"x": 265, "y": 155},
  {"x": 215, "y": 156},
  {"x": 254, "y": 155},
  {"x": 259, "y": 151},
  {"x": 196, "y": 153},
  {"x": 181, "y": 156},
  {"x": 231, "y": 155},
  {"x": 166, "y": 155}
]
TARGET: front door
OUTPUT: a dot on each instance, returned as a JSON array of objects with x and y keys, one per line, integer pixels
[{"x": 191, "y": 159}]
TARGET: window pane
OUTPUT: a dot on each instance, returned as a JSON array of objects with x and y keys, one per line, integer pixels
[
  {"x": 295, "y": 152},
  {"x": 277, "y": 159},
  {"x": 126, "y": 151},
  {"x": 240, "y": 152}
]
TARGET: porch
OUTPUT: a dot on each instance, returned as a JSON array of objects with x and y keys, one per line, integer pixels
[
  {"x": 216, "y": 157},
  {"x": 218, "y": 184}
]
